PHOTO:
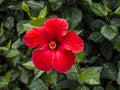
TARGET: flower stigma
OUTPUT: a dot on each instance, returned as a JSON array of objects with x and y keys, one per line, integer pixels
[{"x": 52, "y": 45}]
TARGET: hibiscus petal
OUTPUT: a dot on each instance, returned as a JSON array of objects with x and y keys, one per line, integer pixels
[
  {"x": 42, "y": 59},
  {"x": 72, "y": 42},
  {"x": 36, "y": 37},
  {"x": 56, "y": 27},
  {"x": 63, "y": 60}
]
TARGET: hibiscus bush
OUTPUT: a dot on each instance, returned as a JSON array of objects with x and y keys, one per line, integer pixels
[{"x": 59, "y": 44}]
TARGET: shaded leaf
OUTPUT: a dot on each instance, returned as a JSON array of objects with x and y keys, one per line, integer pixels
[
  {"x": 96, "y": 37},
  {"x": 24, "y": 76},
  {"x": 17, "y": 43},
  {"x": 37, "y": 74},
  {"x": 118, "y": 76},
  {"x": 115, "y": 22},
  {"x": 20, "y": 27},
  {"x": 106, "y": 50},
  {"x": 110, "y": 87},
  {"x": 36, "y": 5},
  {"x": 99, "y": 9},
  {"x": 74, "y": 16},
  {"x": 109, "y": 71},
  {"x": 117, "y": 43},
  {"x": 52, "y": 1},
  {"x": 27, "y": 26},
  {"x": 13, "y": 53},
  {"x": 38, "y": 84},
  {"x": 91, "y": 75},
  {"x": 109, "y": 31},
  {"x": 56, "y": 5}
]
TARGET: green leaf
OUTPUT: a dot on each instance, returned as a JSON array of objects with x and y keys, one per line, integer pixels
[
  {"x": 78, "y": 31},
  {"x": 16, "y": 44},
  {"x": 84, "y": 88},
  {"x": 118, "y": 77},
  {"x": 13, "y": 53},
  {"x": 52, "y": 1},
  {"x": 91, "y": 75},
  {"x": 27, "y": 26},
  {"x": 2, "y": 84},
  {"x": 7, "y": 76},
  {"x": 109, "y": 71},
  {"x": 37, "y": 74},
  {"x": 35, "y": 5},
  {"x": 56, "y": 5},
  {"x": 98, "y": 88},
  {"x": 79, "y": 57},
  {"x": 24, "y": 76},
  {"x": 50, "y": 77},
  {"x": 97, "y": 24},
  {"x": 96, "y": 37},
  {"x": 99, "y": 9},
  {"x": 4, "y": 48},
  {"x": 20, "y": 27},
  {"x": 43, "y": 12},
  {"x": 15, "y": 7},
  {"x": 109, "y": 31},
  {"x": 106, "y": 50},
  {"x": 25, "y": 7},
  {"x": 16, "y": 88},
  {"x": 9, "y": 23},
  {"x": 109, "y": 3},
  {"x": 37, "y": 22},
  {"x": 1, "y": 1},
  {"x": 29, "y": 65},
  {"x": 9, "y": 44},
  {"x": 37, "y": 84},
  {"x": 53, "y": 76},
  {"x": 110, "y": 87},
  {"x": 115, "y": 22},
  {"x": 47, "y": 78},
  {"x": 3, "y": 81},
  {"x": 72, "y": 74},
  {"x": 117, "y": 11},
  {"x": 15, "y": 60},
  {"x": 89, "y": 2},
  {"x": 117, "y": 43},
  {"x": 74, "y": 16}
]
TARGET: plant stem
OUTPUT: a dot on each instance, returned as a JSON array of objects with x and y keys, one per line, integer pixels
[{"x": 78, "y": 68}]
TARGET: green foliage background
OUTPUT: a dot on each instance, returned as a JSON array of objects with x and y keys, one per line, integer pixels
[{"x": 96, "y": 21}]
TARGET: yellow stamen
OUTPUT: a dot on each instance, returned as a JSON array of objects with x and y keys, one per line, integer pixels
[{"x": 52, "y": 45}]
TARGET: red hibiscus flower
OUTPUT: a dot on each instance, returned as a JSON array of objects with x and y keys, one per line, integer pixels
[{"x": 56, "y": 45}]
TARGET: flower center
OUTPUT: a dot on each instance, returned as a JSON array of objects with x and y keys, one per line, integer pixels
[{"x": 52, "y": 45}]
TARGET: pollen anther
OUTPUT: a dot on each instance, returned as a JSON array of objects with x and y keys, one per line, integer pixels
[{"x": 52, "y": 45}]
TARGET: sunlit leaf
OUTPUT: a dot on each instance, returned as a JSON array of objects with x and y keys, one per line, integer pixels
[
  {"x": 29, "y": 65},
  {"x": 43, "y": 12},
  {"x": 117, "y": 11}
]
